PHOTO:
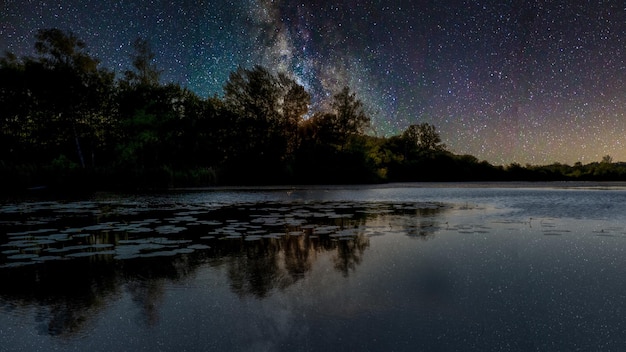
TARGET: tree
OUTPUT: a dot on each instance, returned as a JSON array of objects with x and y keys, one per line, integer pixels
[
  {"x": 295, "y": 105},
  {"x": 423, "y": 138},
  {"x": 156, "y": 127},
  {"x": 152, "y": 116},
  {"x": 61, "y": 50},
  {"x": 350, "y": 118},
  {"x": 16, "y": 128},
  {"x": 56, "y": 105},
  {"x": 268, "y": 109},
  {"x": 335, "y": 127},
  {"x": 253, "y": 94},
  {"x": 73, "y": 95},
  {"x": 146, "y": 72},
  {"x": 321, "y": 128}
]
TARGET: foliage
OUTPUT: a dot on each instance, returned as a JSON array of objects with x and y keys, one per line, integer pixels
[
  {"x": 58, "y": 102},
  {"x": 267, "y": 110},
  {"x": 145, "y": 71},
  {"x": 347, "y": 118},
  {"x": 65, "y": 122},
  {"x": 422, "y": 138}
]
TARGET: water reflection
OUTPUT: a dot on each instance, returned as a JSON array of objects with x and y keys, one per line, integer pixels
[
  {"x": 70, "y": 259},
  {"x": 424, "y": 225},
  {"x": 148, "y": 295},
  {"x": 65, "y": 294}
]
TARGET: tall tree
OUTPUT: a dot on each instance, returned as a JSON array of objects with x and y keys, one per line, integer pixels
[
  {"x": 61, "y": 50},
  {"x": 268, "y": 109},
  {"x": 16, "y": 126},
  {"x": 156, "y": 126},
  {"x": 295, "y": 105},
  {"x": 72, "y": 93},
  {"x": 151, "y": 115},
  {"x": 253, "y": 94},
  {"x": 145, "y": 71},
  {"x": 351, "y": 116},
  {"x": 348, "y": 118},
  {"x": 423, "y": 138}
]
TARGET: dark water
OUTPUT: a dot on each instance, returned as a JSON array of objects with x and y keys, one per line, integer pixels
[{"x": 403, "y": 268}]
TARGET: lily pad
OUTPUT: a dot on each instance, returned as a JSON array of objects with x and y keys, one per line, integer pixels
[
  {"x": 22, "y": 256},
  {"x": 199, "y": 246},
  {"x": 169, "y": 229},
  {"x": 46, "y": 258}
]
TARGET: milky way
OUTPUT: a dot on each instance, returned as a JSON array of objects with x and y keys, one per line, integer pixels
[{"x": 506, "y": 81}]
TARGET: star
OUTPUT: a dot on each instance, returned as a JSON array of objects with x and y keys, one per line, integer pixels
[{"x": 507, "y": 81}]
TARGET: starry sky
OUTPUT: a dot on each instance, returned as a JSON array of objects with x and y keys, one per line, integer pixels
[{"x": 506, "y": 81}]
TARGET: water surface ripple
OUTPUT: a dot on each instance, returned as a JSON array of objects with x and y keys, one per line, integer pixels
[{"x": 395, "y": 267}]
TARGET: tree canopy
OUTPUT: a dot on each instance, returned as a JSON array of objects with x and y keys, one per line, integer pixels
[
  {"x": 267, "y": 110},
  {"x": 66, "y": 121},
  {"x": 423, "y": 138},
  {"x": 145, "y": 72}
]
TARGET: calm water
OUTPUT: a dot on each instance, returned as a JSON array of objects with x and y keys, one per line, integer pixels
[{"x": 470, "y": 267}]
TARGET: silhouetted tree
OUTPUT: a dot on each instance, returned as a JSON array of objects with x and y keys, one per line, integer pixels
[
  {"x": 349, "y": 115},
  {"x": 16, "y": 107},
  {"x": 295, "y": 105},
  {"x": 335, "y": 127},
  {"x": 59, "y": 112},
  {"x": 321, "y": 129},
  {"x": 157, "y": 134},
  {"x": 145, "y": 72},
  {"x": 69, "y": 98},
  {"x": 423, "y": 138},
  {"x": 268, "y": 109},
  {"x": 61, "y": 50}
]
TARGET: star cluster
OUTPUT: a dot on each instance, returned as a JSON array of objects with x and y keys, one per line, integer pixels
[{"x": 506, "y": 81}]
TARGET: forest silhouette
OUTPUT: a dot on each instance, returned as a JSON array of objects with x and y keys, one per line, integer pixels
[{"x": 68, "y": 123}]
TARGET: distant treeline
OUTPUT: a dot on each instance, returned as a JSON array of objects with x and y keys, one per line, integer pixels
[{"x": 66, "y": 122}]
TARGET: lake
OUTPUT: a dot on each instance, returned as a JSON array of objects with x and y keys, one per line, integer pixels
[{"x": 401, "y": 267}]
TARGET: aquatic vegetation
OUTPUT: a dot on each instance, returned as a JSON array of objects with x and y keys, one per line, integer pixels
[
  {"x": 280, "y": 266},
  {"x": 110, "y": 230}
]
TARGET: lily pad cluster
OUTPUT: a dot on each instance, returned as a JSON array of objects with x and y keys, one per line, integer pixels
[{"x": 39, "y": 232}]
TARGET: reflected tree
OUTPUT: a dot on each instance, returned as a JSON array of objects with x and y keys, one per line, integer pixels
[
  {"x": 73, "y": 291},
  {"x": 256, "y": 271},
  {"x": 349, "y": 253},
  {"x": 148, "y": 295},
  {"x": 299, "y": 253},
  {"x": 67, "y": 294},
  {"x": 422, "y": 223}
]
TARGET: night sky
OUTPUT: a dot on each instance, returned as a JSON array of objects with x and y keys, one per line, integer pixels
[{"x": 506, "y": 81}]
